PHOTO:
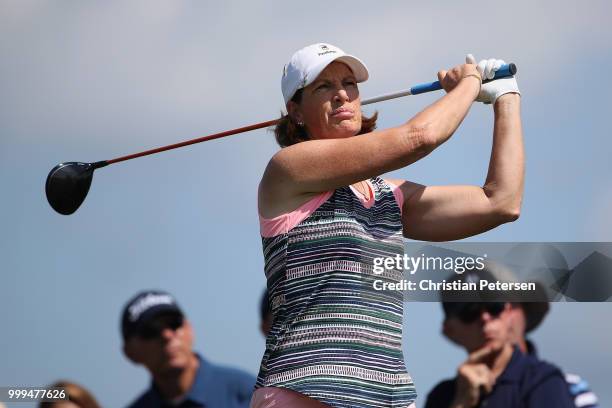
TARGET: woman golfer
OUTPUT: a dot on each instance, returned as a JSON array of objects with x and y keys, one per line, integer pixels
[{"x": 326, "y": 215}]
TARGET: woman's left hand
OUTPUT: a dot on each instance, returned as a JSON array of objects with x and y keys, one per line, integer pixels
[{"x": 491, "y": 91}]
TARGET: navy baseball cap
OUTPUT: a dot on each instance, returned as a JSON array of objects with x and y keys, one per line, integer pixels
[{"x": 145, "y": 306}]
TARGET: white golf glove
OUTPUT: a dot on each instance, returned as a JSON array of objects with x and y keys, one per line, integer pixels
[{"x": 490, "y": 91}]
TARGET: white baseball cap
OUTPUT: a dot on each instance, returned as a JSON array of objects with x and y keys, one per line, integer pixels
[{"x": 306, "y": 65}]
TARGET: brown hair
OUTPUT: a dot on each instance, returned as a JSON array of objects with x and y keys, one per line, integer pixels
[
  {"x": 76, "y": 394},
  {"x": 287, "y": 132}
]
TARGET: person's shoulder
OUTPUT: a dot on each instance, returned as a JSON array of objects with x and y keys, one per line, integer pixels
[
  {"x": 232, "y": 373},
  {"x": 441, "y": 395},
  {"x": 543, "y": 384},
  {"x": 539, "y": 371},
  {"x": 536, "y": 366},
  {"x": 234, "y": 383},
  {"x": 581, "y": 391},
  {"x": 146, "y": 399},
  {"x": 228, "y": 374}
]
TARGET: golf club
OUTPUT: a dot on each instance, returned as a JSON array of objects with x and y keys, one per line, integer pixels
[{"x": 68, "y": 183}]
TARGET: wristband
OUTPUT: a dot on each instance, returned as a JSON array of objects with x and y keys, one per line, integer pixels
[{"x": 475, "y": 76}]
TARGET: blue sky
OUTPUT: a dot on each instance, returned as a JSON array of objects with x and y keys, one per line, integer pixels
[{"x": 88, "y": 81}]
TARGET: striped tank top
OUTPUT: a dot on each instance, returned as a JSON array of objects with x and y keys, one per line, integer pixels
[{"x": 334, "y": 337}]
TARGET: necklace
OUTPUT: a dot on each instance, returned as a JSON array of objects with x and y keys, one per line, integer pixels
[{"x": 363, "y": 189}]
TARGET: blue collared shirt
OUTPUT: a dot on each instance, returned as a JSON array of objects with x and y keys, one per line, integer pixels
[
  {"x": 526, "y": 382},
  {"x": 213, "y": 387}
]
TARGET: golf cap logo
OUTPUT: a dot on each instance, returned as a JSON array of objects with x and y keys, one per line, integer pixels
[
  {"x": 325, "y": 50},
  {"x": 147, "y": 302}
]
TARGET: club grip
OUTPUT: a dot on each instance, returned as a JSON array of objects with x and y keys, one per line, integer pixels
[{"x": 504, "y": 71}]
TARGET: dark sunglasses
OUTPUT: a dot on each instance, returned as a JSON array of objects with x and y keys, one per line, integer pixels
[
  {"x": 154, "y": 329},
  {"x": 470, "y": 312}
]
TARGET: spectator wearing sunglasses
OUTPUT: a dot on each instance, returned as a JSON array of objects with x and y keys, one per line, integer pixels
[
  {"x": 157, "y": 335},
  {"x": 496, "y": 373}
]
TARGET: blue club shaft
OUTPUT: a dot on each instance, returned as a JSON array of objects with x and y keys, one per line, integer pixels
[{"x": 503, "y": 72}]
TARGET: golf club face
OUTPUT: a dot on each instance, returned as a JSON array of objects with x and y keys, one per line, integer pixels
[{"x": 67, "y": 186}]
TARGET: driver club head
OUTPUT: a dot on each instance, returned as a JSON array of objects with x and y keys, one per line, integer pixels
[{"x": 67, "y": 186}]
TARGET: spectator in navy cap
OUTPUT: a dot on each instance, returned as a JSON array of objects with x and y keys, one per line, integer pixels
[{"x": 157, "y": 335}]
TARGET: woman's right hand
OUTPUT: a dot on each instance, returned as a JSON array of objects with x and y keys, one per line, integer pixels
[{"x": 451, "y": 78}]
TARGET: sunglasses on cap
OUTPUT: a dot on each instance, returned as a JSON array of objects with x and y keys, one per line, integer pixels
[
  {"x": 470, "y": 312},
  {"x": 153, "y": 330}
]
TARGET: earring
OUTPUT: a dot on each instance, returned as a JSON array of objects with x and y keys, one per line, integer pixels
[{"x": 300, "y": 123}]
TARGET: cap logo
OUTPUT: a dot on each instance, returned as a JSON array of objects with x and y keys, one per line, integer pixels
[
  {"x": 148, "y": 302},
  {"x": 325, "y": 50}
]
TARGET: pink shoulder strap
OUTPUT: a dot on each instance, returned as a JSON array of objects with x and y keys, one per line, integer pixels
[{"x": 271, "y": 227}]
